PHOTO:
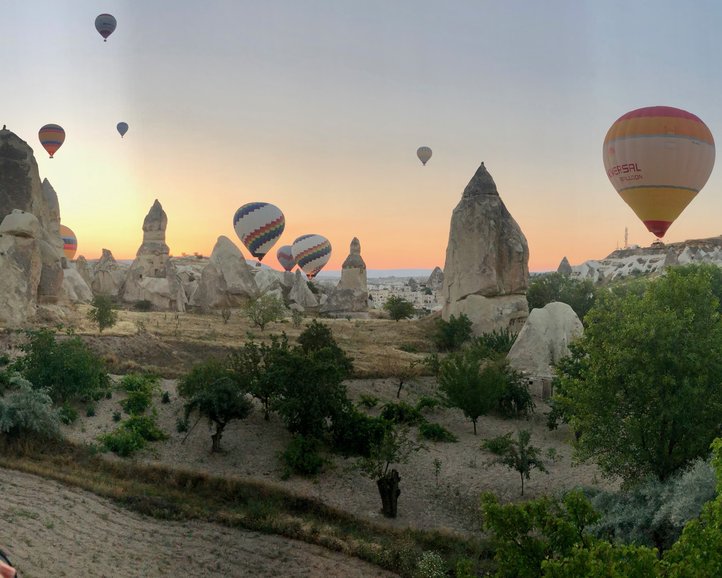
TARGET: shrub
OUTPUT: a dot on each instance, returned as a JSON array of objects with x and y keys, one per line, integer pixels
[
  {"x": 265, "y": 310},
  {"x": 123, "y": 442},
  {"x": 318, "y": 336},
  {"x": 102, "y": 312},
  {"x": 90, "y": 410},
  {"x": 67, "y": 369},
  {"x": 399, "y": 308},
  {"x": 496, "y": 343},
  {"x": 25, "y": 410},
  {"x": 498, "y": 445},
  {"x": 181, "y": 425},
  {"x": 452, "y": 334},
  {"x": 515, "y": 400},
  {"x": 146, "y": 426},
  {"x": 355, "y": 433},
  {"x": 143, "y": 305},
  {"x": 67, "y": 414},
  {"x": 165, "y": 398},
  {"x": 140, "y": 389},
  {"x": 401, "y": 413},
  {"x": 436, "y": 433},
  {"x": 302, "y": 457},
  {"x": 427, "y": 403},
  {"x": 368, "y": 401},
  {"x": 430, "y": 565},
  {"x": 117, "y": 416}
]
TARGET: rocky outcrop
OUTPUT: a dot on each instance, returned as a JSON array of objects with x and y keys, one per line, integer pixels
[
  {"x": 544, "y": 340},
  {"x": 108, "y": 275},
  {"x": 22, "y": 191},
  {"x": 435, "y": 281},
  {"x": 227, "y": 280},
  {"x": 351, "y": 294},
  {"x": 83, "y": 269},
  {"x": 76, "y": 288},
  {"x": 300, "y": 297},
  {"x": 486, "y": 270},
  {"x": 151, "y": 259},
  {"x": 564, "y": 267}
]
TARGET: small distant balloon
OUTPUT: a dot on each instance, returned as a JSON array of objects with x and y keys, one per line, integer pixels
[
  {"x": 122, "y": 128},
  {"x": 52, "y": 137},
  {"x": 658, "y": 158},
  {"x": 70, "y": 242},
  {"x": 285, "y": 257},
  {"x": 259, "y": 226},
  {"x": 311, "y": 253},
  {"x": 105, "y": 25},
  {"x": 424, "y": 154}
]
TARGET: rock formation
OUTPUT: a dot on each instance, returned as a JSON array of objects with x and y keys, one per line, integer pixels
[
  {"x": 544, "y": 339},
  {"x": 564, "y": 267},
  {"x": 76, "y": 288},
  {"x": 351, "y": 295},
  {"x": 22, "y": 195},
  {"x": 486, "y": 270},
  {"x": 300, "y": 296},
  {"x": 436, "y": 279},
  {"x": 108, "y": 276},
  {"x": 227, "y": 280}
]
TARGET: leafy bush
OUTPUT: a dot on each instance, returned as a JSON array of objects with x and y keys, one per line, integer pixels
[
  {"x": 25, "y": 410},
  {"x": 401, "y": 413},
  {"x": 452, "y": 334},
  {"x": 302, "y": 457},
  {"x": 515, "y": 400},
  {"x": 495, "y": 343},
  {"x": 143, "y": 305},
  {"x": 201, "y": 375},
  {"x": 368, "y": 401},
  {"x": 117, "y": 416},
  {"x": 579, "y": 295},
  {"x": 399, "y": 308},
  {"x": 165, "y": 398},
  {"x": 318, "y": 336},
  {"x": 355, "y": 433},
  {"x": 430, "y": 565},
  {"x": 67, "y": 414},
  {"x": 140, "y": 389},
  {"x": 146, "y": 426},
  {"x": 123, "y": 442},
  {"x": 181, "y": 425},
  {"x": 498, "y": 445},
  {"x": 102, "y": 312},
  {"x": 436, "y": 433},
  {"x": 90, "y": 410},
  {"x": 427, "y": 403},
  {"x": 264, "y": 310},
  {"x": 67, "y": 369}
]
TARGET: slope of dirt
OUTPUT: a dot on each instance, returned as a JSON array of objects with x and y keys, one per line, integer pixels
[{"x": 52, "y": 530}]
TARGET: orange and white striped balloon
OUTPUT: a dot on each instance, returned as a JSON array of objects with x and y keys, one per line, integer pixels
[{"x": 658, "y": 158}]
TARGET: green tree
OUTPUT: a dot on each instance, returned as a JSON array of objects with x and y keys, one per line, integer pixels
[
  {"x": 217, "y": 397},
  {"x": 317, "y": 336},
  {"x": 399, "y": 308},
  {"x": 578, "y": 294},
  {"x": 67, "y": 369},
  {"x": 518, "y": 455},
  {"x": 264, "y": 310},
  {"x": 102, "y": 312},
  {"x": 470, "y": 384},
  {"x": 643, "y": 386},
  {"x": 25, "y": 410},
  {"x": 452, "y": 334}
]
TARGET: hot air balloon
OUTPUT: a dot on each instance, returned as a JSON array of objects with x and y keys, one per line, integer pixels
[
  {"x": 122, "y": 128},
  {"x": 285, "y": 257},
  {"x": 424, "y": 154},
  {"x": 70, "y": 242},
  {"x": 259, "y": 226},
  {"x": 105, "y": 25},
  {"x": 51, "y": 137},
  {"x": 658, "y": 158},
  {"x": 311, "y": 253}
]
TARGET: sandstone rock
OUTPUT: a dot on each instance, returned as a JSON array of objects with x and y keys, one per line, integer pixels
[
  {"x": 544, "y": 340},
  {"x": 108, "y": 276},
  {"x": 564, "y": 267},
  {"x": 83, "y": 269},
  {"x": 351, "y": 294},
  {"x": 436, "y": 279},
  {"x": 76, "y": 288},
  {"x": 21, "y": 224},
  {"x": 51, "y": 198},
  {"x": 21, "y": 266},
  {"x": 237, "y": 275},
  {"x": 268, "y": 281},
  {"x": 50, "y": 288},
  {"x": 152, "y": 257},
  {"x": 301, "y": 295},
  {"x": 486, "y": 259}
]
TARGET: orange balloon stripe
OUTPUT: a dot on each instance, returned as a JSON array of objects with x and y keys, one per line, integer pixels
[
  {"x": 659, "y": 126},
  {"x": 657, "y": 203}
]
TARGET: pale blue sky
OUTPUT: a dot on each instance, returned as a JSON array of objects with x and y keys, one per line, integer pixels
[{"x": 319, "y": 106}]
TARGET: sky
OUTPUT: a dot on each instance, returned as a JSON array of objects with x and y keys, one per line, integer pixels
[{"x": 318, "y": 106}]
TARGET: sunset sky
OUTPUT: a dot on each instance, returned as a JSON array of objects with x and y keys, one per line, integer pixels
[{"x": 318, "y": 106}]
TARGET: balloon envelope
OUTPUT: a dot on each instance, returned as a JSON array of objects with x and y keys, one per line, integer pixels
[
  {"x": 122, "y": 128},
  {"x": 70, "y": 242},
  {"x": 259, "y": 226},
  {"x": 285, "y": 257},
  {"x": 658, "y": 158},
  {"x": 311, "y": 253},
  {"x": 105, "y": 25},
  {"x": 424, "y": 154},
  {"x": 51, "y": 137}
]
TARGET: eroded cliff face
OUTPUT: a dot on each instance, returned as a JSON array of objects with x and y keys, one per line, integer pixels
[{"x": 486, "y": 272}]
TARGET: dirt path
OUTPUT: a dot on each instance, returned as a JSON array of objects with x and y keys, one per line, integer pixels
[{"x": 53, "y": 530}]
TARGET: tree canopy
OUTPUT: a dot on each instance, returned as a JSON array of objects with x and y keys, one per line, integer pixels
[{"x": 642, "y": 387}]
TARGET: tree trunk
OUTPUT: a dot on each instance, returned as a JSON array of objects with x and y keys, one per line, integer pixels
[
  {"x": 474, "y": 422},
  {"x": 216, "y": 437},
  {"x": 522, "y": 483},
  {"x": 389, "y": 490}
]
